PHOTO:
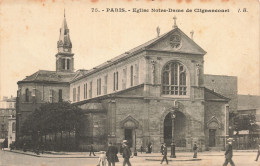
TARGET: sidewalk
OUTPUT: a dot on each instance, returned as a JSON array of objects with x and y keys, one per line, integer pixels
[{"x": 180, "y": 155}]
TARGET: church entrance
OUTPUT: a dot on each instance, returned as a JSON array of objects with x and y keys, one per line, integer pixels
[
  {"x": 129, "y": 136},
  {"x": 179, "y": 129},
  {"x": 212, "y": 136}
]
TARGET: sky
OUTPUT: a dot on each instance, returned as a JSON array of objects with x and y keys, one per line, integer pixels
[{"x": 29, "y": 31}]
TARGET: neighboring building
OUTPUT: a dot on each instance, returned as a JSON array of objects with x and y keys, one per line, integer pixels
[
  {"x": 134, "y": 95},
  {"x": 7, "y": 110},
  {"x": 11, "y": 130},
  {"x": 248, "y": 105},
  {"x": 224, "y": 85},
  {"x": 47, "y": 86}
]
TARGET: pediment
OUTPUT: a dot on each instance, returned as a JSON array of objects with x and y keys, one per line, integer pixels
[
  {"x": 80, "y": 73},
  {"x": 129, "y": 122},
  {"x": 176, "y": 41},
  {"x": 213, "y": 123}
]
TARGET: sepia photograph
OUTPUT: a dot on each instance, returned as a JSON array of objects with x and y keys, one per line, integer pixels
[{"x": 129, "y": 82}]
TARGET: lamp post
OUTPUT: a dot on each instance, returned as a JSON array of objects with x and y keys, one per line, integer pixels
[
  {"x": 38, "y": 143},
  {"x": 173, "y": 144},
  {"x": 135, "y": 151}
]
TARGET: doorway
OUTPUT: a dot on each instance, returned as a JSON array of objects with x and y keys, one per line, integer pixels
[
  {"x": 212, "y": 137},
  {"x": 129, "y": 136},
  {"x": 179, "y": 129}
]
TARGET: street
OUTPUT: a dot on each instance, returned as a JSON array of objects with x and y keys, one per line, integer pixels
[{"x": 82, "y": 159}]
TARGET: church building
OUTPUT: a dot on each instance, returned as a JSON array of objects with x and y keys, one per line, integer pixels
[{"x": 154, "y": 93}]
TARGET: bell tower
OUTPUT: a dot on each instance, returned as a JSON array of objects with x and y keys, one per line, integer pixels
[{"x": 64, "y": 57}]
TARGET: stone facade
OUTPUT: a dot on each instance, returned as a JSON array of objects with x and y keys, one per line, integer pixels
[
  {"x": 38, "y": 93},
  {"x": 47, "y": 86},
  {"x": 7, "y": 110},
  {"x": 224, "y": 85},
  {"x": 11, "y": 130},
  {"x": 154, "y": 93}
]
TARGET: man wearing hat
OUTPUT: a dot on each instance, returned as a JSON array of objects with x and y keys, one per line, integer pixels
[
  {"x": 229, "y": 153},
  {"x": 164, "y": 153},
  {"x": 126, "y": 153},
  {"x": 112, "y": 154},
  {"x": 162, "y": 148}
]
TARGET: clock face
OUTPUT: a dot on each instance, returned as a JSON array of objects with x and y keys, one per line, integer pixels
[{"x": 175, "y": 41}]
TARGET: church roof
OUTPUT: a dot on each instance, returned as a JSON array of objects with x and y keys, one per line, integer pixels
[
  {"x": 150, "y": 45},
  {"x": 210, "y": 95},
  {"x": 49, "y": 76},
  {"x": 247, "y": 102}
]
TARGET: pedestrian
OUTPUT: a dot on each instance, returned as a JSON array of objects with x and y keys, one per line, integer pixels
[
  {"x": 162, "y": 148},
  {"x": 102, "y": 159},
  {"x": 126, "y": 153},
  {"x": 149, "y": 147},
  {"x": 121, "y": 149},
  {"x": 24, "y": 147},
  {"x": 112, "y": 154},
  {"x": 229, "y": 153},
  {"x": 164, "y": 153},
  {"x": 195, "y": 150},
  {"x": 141, "y": 149},
  {"x": 258, "y": 153},
  {"x": 91, "y": 150}
]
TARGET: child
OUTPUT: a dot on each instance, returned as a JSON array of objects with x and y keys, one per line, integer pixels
[{"x": 102, "y": 158}]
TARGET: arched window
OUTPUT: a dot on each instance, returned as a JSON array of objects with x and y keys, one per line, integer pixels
[
  {"x": 13, "y": 127},
  {"x": 63, "y": 63},
  {"x": 68, "y": 64},
  {"x": 27, "y": 95},
  {"x": 174, "y": 79}
]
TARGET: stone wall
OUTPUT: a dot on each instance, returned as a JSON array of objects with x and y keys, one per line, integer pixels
[
  {"x": 224, "y": 85},
  {"x": 215, "y": 119}
]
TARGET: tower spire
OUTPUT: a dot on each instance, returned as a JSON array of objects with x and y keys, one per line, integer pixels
[
  {"x": 64, "y": 44},
  {"x": 64, "y": 57}
]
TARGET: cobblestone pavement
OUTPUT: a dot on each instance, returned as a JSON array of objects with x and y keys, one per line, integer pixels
[{"x": 7, "y": 158}]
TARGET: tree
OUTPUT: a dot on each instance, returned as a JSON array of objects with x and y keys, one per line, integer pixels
[
  {"x": 245, "y": 122},
  {"x": 53, "y": 118}
]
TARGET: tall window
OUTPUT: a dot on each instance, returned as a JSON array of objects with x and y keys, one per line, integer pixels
[
  {"x": 136, "y": 74},
  {"x": 131, "y": 76},
  {"x": 85, "y": 91},
  {"x": 63, "y": 63},
  {"x": 78, "y": 95},
  {"x": 74, "y": 94},
  {"x": 124, "y": 79},
  {"x": 99, "y": 86},
  {"x": 174, "y": 79},
  {"x": 60, "y": 95},
  {"x": 68, "y": 64},
  {"x": 27, "y": 95},
  {"x": 115, "y": 81},
  {"x": 90, "y": 89},
  {"x": 50, "y": 95},
  {"x": 105, "y": 85},
  {"x": 13, "y": 127}
]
